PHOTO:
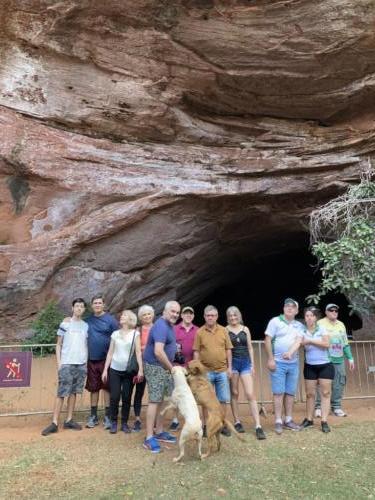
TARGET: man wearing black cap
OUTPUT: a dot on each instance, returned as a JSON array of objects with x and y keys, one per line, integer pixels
[
  {"x": 339, "y": 349},
  {"x": 185, "y": 334},
  {"x": 283, "y": 339}
]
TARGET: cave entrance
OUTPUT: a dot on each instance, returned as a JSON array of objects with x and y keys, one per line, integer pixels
[{"x": 262, "y": 284}]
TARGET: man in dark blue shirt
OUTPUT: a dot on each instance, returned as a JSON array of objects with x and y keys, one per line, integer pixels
[
  {"x": 158, "y": 363},
  {"x": 101, "y": 326}
]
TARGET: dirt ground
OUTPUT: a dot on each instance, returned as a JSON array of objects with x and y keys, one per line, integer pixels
[
  {"x": 26, "y": 429},
  {"x": 94, "y": 464}
]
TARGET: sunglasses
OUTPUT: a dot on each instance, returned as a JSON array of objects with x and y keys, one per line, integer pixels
[{"x": 333, "y": 310}]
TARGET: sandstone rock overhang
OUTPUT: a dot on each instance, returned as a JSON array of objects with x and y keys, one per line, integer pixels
[{"x": 147, "y": 147}]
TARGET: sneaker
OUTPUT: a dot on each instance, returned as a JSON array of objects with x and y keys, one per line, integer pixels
[
  {"x": 239, "y": 427},
  {"x": 165, "y": 437},
  {"x": 92, "y": 421},
  {"x": 292, "y": 426},
  {"x": 137, "y": 426},
  {"x": 260, "y": 434},
  {"x": 72, "y": 425},
  {"x": 204, "y": 431},
  {"x": 307, "y": 423},
  {"x": 174, "y": 426},
  {"x": 318, "y": 413},
  {"x": 279, "y": 428},
  {"x": 113, "y": 428},
  {"x": 51, "y": 429},
  {"x": 339, "y": 413},
  {"x": 125, "y": 428},
  {"x": 325, "y": 427},
  {"x": 225, "y": 431},
  {"x": 152, "y": 445},
  {"x": 107, "y": 423}
]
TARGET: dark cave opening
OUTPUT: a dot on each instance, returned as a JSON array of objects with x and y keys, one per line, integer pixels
[{"x": 260, "y": 289}]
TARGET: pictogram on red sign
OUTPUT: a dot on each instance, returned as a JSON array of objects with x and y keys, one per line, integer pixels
[{"x": 15, "y": 369}]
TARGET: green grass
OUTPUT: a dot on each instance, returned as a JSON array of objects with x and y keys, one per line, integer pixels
[{"x": 308, "y": 465}]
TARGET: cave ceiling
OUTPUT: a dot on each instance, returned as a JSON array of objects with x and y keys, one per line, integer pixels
[{"x": 148, "y": 148}]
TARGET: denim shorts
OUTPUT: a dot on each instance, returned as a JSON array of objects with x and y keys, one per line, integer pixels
[
  {"x": 221, "y": 384},
  {"x": 241, "y": 365},
  {"x": 284, "y": 379}
]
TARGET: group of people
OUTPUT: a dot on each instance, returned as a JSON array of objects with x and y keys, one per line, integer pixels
[
  {"x": 117, "y": 358},
  {"x": 326, "y": 346}
]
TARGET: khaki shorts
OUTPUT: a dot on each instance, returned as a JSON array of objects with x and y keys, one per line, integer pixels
[{"x": 159, "y": 383}]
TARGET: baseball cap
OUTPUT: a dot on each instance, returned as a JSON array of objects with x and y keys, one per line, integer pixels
[
  {"x": 330, "y": 306},
  {"x": 290, "y": 302},
  {"x": 186, "y": 309}
]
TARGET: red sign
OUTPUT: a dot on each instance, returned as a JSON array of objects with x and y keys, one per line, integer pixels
[{"x": 15, "y": 369}]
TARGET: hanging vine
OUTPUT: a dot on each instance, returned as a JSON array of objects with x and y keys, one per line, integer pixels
[{"x": 343, "y": 241}]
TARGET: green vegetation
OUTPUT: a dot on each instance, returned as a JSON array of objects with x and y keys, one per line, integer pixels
[
  {"x": 343, "y": 240},
  {"x": 45, "y": 327}
]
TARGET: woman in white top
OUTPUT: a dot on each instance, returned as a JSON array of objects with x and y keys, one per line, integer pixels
[
  {"x": 318, "y": 368},
  {"x": 123, "y": 343}
]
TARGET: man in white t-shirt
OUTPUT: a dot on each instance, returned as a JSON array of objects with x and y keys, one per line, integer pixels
[
  {"x": 283, "y": 339},
  {"x": 71, "y": 355}
]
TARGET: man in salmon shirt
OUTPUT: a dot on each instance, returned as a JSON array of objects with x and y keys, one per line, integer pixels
[{"x": 185, "y": 334}]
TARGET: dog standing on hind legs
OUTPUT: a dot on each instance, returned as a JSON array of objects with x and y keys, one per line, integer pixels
[
  {"x": 182, "y": 398},
  {"x": 205, "y": 396}
]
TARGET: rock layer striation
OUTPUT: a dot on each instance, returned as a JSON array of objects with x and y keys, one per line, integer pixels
[{"x": 149, "y": 150}]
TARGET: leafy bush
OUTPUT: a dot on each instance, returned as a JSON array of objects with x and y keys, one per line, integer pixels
[
  {"x": 348, "y": 265},
  {"x": 45, "y": 327},
  {"x": 343, "y": 240}
]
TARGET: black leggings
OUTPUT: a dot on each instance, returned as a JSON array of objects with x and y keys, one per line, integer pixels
[
  {"x": 120, "y": 384},
  {"x": 139, "y": 391}
]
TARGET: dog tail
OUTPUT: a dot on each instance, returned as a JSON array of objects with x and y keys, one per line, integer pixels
[{"x": 232, "y": 428}]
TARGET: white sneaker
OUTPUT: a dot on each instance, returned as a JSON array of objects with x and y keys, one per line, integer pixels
[
  {"x": 339, "y": 413},
  {"x": 318, "y": 413}
]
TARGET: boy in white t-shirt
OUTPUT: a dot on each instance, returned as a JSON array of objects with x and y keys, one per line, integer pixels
[{"x": 71, "y": 355}]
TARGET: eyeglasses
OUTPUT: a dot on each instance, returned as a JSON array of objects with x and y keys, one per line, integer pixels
[{"x": 333, "y": 310}]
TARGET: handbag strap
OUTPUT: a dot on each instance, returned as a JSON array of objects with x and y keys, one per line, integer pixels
[{"x": 131, "y": 352}]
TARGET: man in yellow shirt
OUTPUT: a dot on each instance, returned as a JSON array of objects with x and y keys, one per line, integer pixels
[
  {"x": 212, "y": 346},
  {"x": 339, "y": 349}
]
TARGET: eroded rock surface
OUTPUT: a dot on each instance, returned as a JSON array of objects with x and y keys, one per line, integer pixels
[{"x": 149, "y": 149}]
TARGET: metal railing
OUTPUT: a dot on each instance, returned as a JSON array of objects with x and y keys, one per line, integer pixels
[{"x": 39, "y": 398}]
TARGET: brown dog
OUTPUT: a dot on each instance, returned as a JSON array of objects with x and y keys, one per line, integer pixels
[{"x": 205, "y": 396}]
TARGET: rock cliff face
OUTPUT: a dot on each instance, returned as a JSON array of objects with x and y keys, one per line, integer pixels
[{"x": 149, "y": 149}]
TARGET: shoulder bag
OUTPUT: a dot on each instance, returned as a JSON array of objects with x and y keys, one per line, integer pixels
[{"x": 132, "y": 366}]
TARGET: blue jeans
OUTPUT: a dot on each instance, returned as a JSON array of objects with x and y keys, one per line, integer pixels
[
  {"x": 221, "y": 384},
  {"x": 284, "y": 379}
]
